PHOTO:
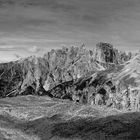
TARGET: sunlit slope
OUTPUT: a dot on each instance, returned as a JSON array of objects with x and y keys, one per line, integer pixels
[{"x": 128, "y": 74}]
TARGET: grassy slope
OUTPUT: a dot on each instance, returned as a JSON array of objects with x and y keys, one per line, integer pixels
[{"x": 40, "y": 118}]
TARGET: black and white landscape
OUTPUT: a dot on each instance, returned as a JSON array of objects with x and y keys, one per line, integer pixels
[{"x": 69, "y": 70}]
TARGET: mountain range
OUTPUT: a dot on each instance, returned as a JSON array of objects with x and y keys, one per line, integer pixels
[{"x": 64, "y": 72}]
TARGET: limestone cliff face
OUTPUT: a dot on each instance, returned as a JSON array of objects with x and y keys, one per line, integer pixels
[
  {"x": 68, "y": 64},
  {"x": 63, "y": 66},
  {"x": 22, "y": 77},
  {"x": 106, "y": 54}
]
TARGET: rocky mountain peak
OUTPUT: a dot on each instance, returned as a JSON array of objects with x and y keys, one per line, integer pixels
[{"x": 105, "y": 53}]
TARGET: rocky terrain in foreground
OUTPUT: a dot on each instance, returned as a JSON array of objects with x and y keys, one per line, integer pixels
[{"x": 42, "y": 118}]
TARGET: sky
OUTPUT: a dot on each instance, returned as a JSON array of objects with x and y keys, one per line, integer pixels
[{"x": 33, "y": 27}]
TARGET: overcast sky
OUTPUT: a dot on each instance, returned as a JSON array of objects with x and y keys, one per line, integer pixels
[{"x": 31, "y": 27}]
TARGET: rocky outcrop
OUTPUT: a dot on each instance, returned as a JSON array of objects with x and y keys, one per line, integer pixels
[
  {"x": 105, "y": 53},
  {"x": 109, "y": 56},
  {"x": 22, "y": 77}
]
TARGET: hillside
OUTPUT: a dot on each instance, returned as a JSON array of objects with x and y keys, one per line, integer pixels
[{"x": 41, "y": 118}]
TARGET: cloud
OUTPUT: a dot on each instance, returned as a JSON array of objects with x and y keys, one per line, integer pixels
[
  {"x": 7, "y": 48},
  {"x": 33, "y": 49},
  {"x": 30, "y": 49},
  {"x": 30, "y": 25},
  {"x": 17, "y": 56}
]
